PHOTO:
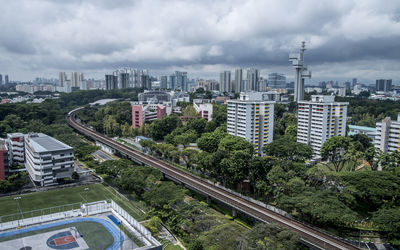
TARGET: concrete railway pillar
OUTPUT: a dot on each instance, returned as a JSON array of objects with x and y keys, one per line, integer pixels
[
  {"x": 208, "y": 199},
  {"x": 234, "y": 212}
]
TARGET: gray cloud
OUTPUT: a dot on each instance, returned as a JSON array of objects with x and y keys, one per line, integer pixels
[{"x": 42, "y": 37}]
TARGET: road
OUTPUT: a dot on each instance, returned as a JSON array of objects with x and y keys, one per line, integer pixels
[{"x": 309, "y": 235}]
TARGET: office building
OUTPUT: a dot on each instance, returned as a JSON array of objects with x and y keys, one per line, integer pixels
[
  {"x": 252, "y": 81},
  {"x": 387, "y": 137},
  {"x": 6, "y": 80},
  {"x": 111, "y": 82},
  {"x": 203, "y": 108},
  {"x": 225, "y": 81},
  {"x": 320, "y": 119},
  {"x": 15, "y": 145},
  {"x": 384, "y": 85},
  {"x": 297, "y": 60},
  {"x": 47, "y": 159},
  {"x": 252, "y": 120},
  {"x": 276, "y": 81},
  {"x": 238, "y": 87}
]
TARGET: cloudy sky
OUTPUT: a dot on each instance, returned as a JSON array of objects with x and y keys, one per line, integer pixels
[{"x": 345, "y": 38}]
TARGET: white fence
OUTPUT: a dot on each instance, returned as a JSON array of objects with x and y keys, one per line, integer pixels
[
  {"x": 138, "y": 229},
  {"x": 40, "y": 219}
]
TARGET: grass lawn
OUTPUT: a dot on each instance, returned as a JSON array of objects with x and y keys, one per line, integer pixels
[
  {"x": 95, "y": 235},
  {"x": 59, "y": 197}
]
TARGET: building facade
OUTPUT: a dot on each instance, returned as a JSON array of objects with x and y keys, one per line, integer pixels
[
  {"x": 368, "y": 131},
  {"x": 4, "y": 160},
  {"x": 252, "y": 120},
  {"x": 238, "y": 87},
  {"x": 384, "y": 85},
  {"x": 387, "y": 137},
  {"x": 225, "y": 81},
  {"x": 47, "y": 159},
  {"x": 15, "y": 144},
  {"x": 320, "y": 119},
  {"x": 203, "y": 108},
  {"x": 276, "y": 81},
  {"x": 252, "y": 83}
]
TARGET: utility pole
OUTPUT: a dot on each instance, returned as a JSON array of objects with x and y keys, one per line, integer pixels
[{"x": 18, "y": 209}]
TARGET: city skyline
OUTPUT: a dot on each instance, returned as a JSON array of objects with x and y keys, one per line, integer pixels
[{"x": 345, "y": 39}]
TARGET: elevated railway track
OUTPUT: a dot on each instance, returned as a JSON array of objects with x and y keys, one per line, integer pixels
[{"x": 309, "y": 235}]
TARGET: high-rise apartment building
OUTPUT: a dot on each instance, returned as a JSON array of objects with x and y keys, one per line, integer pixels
[
  {"x": 384, "y": 85},
  {"x": 123, "y": 80},
  {"x": 252, "y": 83},
  {"x": 238, "y": 87},
  {"x": 111, "y": 82},
  {"x": 47, "y": 159},
  {"x": 163, "y": 82},
  {"x": 225, "y": 81},
  {"x": 1, "y": 79},
  {"x": 276, "y": 81},
  {"x": 320, "y": 119},
  {"x": 181, "y": 80},
  {"x": 354, "y": 82},
  {"x": 297, "y": 60},
  {"x": 252, "y": 119},
  {"x": 6, "y": 80},
  {"x": 62, "y": 78},
  {"x": 387, "y": 138}
]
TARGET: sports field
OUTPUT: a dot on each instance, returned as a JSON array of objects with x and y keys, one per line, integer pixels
[
  {"x": 83, "y": 233},
  {"x": 61, "y": 197}
]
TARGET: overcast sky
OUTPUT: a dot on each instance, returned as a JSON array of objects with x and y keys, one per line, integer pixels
[{"x": 345, "y": 38}]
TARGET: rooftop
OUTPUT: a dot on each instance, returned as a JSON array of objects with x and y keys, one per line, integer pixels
[
  {"x": 362, "y": 128},
  {"x": 43, "y": 143}
]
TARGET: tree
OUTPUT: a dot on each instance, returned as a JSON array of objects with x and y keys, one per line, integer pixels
[
  {"x": 190, "y": 111},
  {"x": 185, "y": 138},
  {"x": 388, "y": 219},
  {"x": 196, "y": 245},
  {"x": 287, "y": 148},
  {"x": 319, "y": 207},
  {"x": 334, "y": 150},
  {"x": 75, "y": 175},
  {"x": 268, "y": 236},
  {"x": 209, "y": 141},
  {"x": 160, "y": 128},
  {"x": 236, "y": 167},
  {"x": 164, "y": 193},
  {"x": 232, "y": 143},
  {"x": 189, "y": 156}
]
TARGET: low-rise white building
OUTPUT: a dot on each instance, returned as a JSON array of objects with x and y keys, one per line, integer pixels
[
  {"x": 320, "y": 119},
  {"x": 47, "y": 159},
  {"x": 203, "y": 108},
  {"x": 15, "y": 144}
]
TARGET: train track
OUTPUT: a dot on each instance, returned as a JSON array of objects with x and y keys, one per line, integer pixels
[{"x": 308, "y": 235}]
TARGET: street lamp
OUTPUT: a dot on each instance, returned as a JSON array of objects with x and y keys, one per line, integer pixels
[
  {"x": 86, "y": 192},
  {"x": 18, "y": 208},
  {"x": 87, "y": 207},
  {"x": 359, "y": 240}
]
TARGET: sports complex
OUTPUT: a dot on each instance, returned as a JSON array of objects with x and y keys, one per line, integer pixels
[{"x": 91, "y": 225}]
